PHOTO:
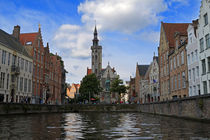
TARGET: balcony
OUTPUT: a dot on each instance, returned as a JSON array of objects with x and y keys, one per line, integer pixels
[{"x": 15, "y": 70}]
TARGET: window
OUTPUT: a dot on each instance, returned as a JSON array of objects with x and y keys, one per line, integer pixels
[
  {"x": 34, "y": 55},
  {"x": 2, "y": 80},
  {"x": 190, "y": 91},
  {"x": 21, "y": 84},
  {"x": 193, "y": 74},
  {"x": 208, "y": 64},
  {"x": 204, "y": 87},
  {"x": 172, "y": 83},
  {"x": 201, "y": 45},
  {"x": 22, "y": 64},
  {"x": 174, "y": 62},
  {"x": 194, "y": 90},
  {"x": 188, "y": 58},
  {"x": 8, "y": 59},
  {"x": 182, "y": 57},
  {"x": 171, "y": 64},
  {"x": 205, "y": 19},
  {"x": 30, "y": 67},
  {"x": 3, "y": 59},
  {"x": 197, "y": 69},
  {"x": 7, "y": 81},
  {"x": 17, "y": 83},
  {"x": 203, "y": 66},
  {"x": 26, "y": 65},
  {"x": 25, "y": 85},
  {"x": 199, "y": 91},
  {"x": 175, "y": 82},
  {"x": 29, "y": 85},
  {"x": 189, "y": 74},
  {"x": 179, "y": 83},
  {"x": 196, "y": 54},
  {"x": 207, "y": 37},
  {"x": 177, "y": 60},
  {"x": 183, "y": 80},
  {"x": 192, "y": 54},
  {"x": 14, "y": 59}
]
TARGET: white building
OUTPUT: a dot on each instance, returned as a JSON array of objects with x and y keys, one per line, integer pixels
[
  {"x": 193, "y": 60},
  {"x": 154, "y": 80},
  {"x": 15, "y": 70},
  {"x": 203, "y": 36}
]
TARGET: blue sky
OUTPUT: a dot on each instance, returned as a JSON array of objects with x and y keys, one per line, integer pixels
[{"x": 128, "y": 29}]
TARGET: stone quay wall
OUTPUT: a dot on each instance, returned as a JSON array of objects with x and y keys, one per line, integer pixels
[{"x": 191, "y": 108}]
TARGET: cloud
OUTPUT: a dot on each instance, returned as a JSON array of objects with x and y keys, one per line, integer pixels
[
  {"x": 74, "y": 39},
  {"x": 122, "y": 15}
]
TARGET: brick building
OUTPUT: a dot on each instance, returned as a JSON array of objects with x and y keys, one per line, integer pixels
[
  {"x": 166, "y": 46},
  {"x": 55, "y": 79},
  {"x": 34, "y": 45},
  {"x": 178, "y": 67}
]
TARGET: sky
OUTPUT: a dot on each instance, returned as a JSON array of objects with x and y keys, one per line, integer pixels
[{"x": 128, "y": 30}]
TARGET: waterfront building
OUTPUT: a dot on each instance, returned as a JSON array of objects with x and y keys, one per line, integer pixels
[
  {"x": 73, "y": 91},
  {"x": 34, "y": 45},
  {"x": 166, "y": 45},
  {"x": 46, "y": 85},
  {"x": 144, "y": 95},
  {"x": 55, "y": 79},
  {"x": 143, "y": 82},
  {"x": 131, "y": 93},
  {"x": 193, "y": 60},
  {"x": 154, "y": 80},
  {"x": 178, "y": 67},
  {"x": 203, "y": 39},
  {"x": 105, "y": 76},
  {"x": 15, "y": 69}
]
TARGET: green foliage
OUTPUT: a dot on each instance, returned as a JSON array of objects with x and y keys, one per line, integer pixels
[
  {"x": 117, "y": 86},
  {"x": 89, "y": 85}
]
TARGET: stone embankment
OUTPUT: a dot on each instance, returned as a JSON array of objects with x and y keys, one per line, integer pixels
[{"x": 191, "y": 108}]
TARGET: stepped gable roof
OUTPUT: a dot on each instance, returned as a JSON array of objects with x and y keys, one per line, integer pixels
[
  {"x": 11, "y": 42},
  {"x": 28, "y": 37},
  {"x": 171, "y": 28},
  {"x": 142, "y": 69}
]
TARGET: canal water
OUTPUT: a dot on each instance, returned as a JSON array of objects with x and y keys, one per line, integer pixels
[{"x": 119, "y": 126}]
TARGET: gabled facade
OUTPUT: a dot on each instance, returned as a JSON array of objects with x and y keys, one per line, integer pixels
[
  {"x": 166, "y": 46},
  {"x": 154, "y": 80},
  {"x": 34, "y": 45},
  {"x": 73, "y": 91},
  {"x": 178, "y": 67},
  {"x": 193, "y": 60},
  {"x": 203, "y": 36},
  {"x": 140, "y": 82}
]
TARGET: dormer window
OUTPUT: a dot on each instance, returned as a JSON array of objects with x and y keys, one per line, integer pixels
[{"x": 29, "y": 43}]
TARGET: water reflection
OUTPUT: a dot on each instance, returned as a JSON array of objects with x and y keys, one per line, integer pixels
[{"x": 118, "y": 126}]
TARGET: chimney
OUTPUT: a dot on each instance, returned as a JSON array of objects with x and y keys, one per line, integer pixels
[{"x": 16, "y": 32}]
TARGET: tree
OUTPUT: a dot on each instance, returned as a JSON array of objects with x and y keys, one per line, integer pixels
[
  {"x": 118, "y": 87},
  {"x": 90, "y": 86}
]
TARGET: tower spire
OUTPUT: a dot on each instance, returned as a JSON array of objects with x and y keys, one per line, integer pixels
[{"x": 95, "y": 39}]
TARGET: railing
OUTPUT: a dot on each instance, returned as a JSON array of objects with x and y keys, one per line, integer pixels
[{"x": 15, "y": 69}]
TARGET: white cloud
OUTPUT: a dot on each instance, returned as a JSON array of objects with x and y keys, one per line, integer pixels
[
  {"x": 74, "y": 38},
  {"x": 122, "y": 15}
]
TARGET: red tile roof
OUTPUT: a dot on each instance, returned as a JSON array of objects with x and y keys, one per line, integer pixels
[
  {"x": 171, "y": 28},
  {"x": 28, "y": 37}
]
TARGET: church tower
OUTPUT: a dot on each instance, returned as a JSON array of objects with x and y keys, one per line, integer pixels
[{"x": 96, "y": 55}]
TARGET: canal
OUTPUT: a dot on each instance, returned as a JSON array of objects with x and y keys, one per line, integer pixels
[{"x": 119, "y": 126}]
